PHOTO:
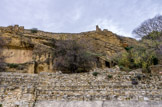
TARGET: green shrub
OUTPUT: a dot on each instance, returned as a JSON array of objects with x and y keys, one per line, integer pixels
[
  {"x": 140, "y": 56},
  {"x": 153, "y": 35},
  {"x": 110, "y": 76},
  {"x": 13, "y": 65},
  {"x": 34, "y": 30},
  {"x": 95, "y": 73},
  {"x": 0, "y": 105},
  {"x": 128, "y": 48}
]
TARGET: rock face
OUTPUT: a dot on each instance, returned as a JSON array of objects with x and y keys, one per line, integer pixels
[
  {"x": 49, "y": 89},
  {"x": 24, "y": 47},
  {"x": 156, "y": 69},
  {"x": 18, "y": 55},
  {"x": 12, "y": 29}
]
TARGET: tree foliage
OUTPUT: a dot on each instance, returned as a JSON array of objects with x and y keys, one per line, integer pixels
[
  {"x": 71, "y": 56},
  {"x": 144, "y": 54},
  {"x": 154, "y": 42},
  {"x": 34, "y": 30},
  {"x": 148, "y": 26}
]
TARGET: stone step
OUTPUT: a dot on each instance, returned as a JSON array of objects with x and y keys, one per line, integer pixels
[
  {"x": 4, "y": 81},
  {"x": 148, "y": 91},
  {"x": 81, "y": 88},
  {"x": 121, "y": 83},
  {"x": 58, "y": 85},
  {"x": 116, "y": 77},
  {"x": 99, "y": 87},
  {"x": 72, "y": 97},
  {"x": 17, "y": 74},
  {"x": 48, "y": 90}
]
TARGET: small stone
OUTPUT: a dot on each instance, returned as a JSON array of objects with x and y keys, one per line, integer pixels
[{"x": 146, "y": 99}]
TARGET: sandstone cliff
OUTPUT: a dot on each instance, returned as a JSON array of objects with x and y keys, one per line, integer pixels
[{"x": 33, "y": 49}]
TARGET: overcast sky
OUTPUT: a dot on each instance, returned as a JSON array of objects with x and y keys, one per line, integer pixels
[{"x": 118, "y": 16}]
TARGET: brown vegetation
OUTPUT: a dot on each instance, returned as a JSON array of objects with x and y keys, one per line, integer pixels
[{"x": 72, "y": 57}]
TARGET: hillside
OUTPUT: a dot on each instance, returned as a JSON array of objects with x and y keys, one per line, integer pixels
[
  {"x": 30, "y": 79},
  {"x": 31, "y": 50}
]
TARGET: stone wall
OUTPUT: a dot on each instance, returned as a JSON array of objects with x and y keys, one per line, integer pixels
[{"x": 109, "y": 85}]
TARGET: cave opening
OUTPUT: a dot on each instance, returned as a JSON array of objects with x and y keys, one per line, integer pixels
[{"x": 107, "y": 64}]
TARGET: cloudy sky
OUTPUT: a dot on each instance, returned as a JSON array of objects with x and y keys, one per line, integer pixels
[{"x": 119, "y": 16}]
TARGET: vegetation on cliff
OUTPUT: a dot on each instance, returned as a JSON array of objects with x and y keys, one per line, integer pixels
[
  {"x": 139, "y": 56},
  {"x": 72, "y": 56},
  {"x": 149, "y": 49},
  {"x": 34, "y": 30}
]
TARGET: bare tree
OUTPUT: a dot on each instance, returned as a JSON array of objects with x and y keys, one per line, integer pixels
[
  {"x": 70, "y": 56},
  {"x": 148, "y": 26}
]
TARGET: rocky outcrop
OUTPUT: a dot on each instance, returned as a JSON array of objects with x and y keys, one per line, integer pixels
[
  {"x": 22, "y": 46},
  {"x": 12, "y": 29},
  {"x": 156, "y": 69}
]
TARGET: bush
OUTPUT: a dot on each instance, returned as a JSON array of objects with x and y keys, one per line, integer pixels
[
  {"x": 95, "y": 73},
  {"x": 72, "y": 57},
  {"x": 109, "y": 76},
  {"x": 128, "y": 48},
  {"x": 0, "y": 105},
  {"x": 13, "y": 65},
  {"x": 34, "y": 30},
  {"x": 155, "y": 35},
  {"x": 140, "y": 56}
]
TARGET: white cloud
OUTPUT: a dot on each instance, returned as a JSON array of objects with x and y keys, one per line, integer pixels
[
  {"x": 119, "y": 16},
  {"x": 109, "y": 25}
]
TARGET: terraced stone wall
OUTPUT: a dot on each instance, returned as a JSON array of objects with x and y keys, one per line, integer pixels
[{"x": 109, "y": 85}]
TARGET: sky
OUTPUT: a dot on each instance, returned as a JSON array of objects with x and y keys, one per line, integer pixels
[{"x": 74, "y": 16}]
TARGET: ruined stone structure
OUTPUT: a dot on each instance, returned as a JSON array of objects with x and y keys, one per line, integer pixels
[{"x": 36, "y": 90}]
